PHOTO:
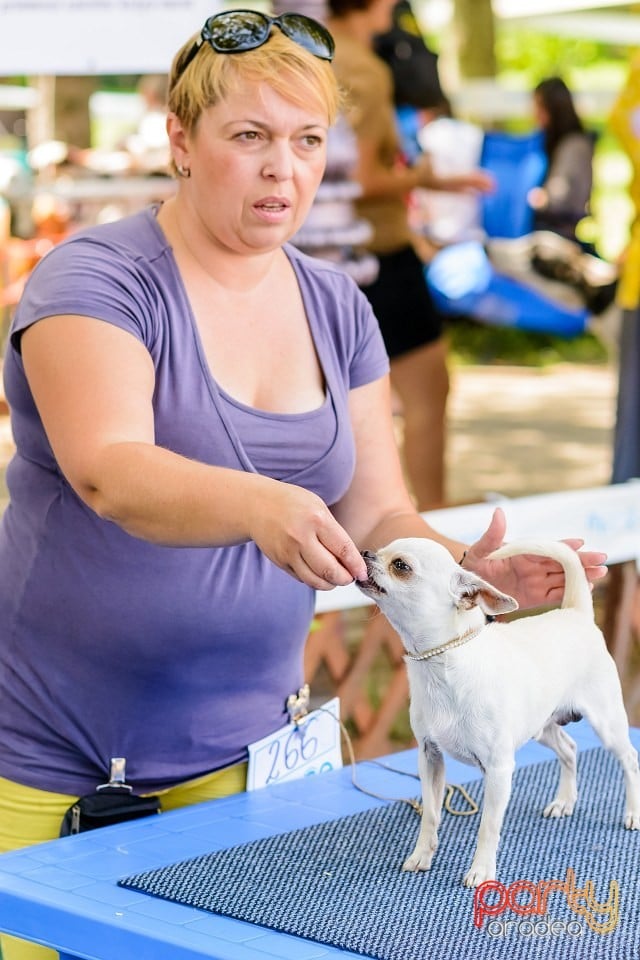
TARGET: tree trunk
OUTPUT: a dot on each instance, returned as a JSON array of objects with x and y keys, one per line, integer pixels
[
  {"x": 63, "y": 110},
  {"x": 474, "y": 28},
  {"x": 72, "y": 121}
]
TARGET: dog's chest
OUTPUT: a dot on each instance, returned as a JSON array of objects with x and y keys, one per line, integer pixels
[{"x": 447, "y": 717}]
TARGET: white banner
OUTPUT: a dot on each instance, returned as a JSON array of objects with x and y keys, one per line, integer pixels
[{"x": 74, "y": 37}]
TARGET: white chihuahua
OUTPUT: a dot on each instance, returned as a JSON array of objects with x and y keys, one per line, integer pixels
[{"x": 480, "y": 690}]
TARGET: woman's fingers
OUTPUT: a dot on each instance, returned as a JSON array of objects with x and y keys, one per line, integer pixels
[
  {"x": 543, "y": 581},
  {"x": 332, "y": 560},
  {"x": 300, "y": 534}
]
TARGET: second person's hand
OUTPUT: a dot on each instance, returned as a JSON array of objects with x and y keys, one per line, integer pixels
[{"x": 532, "y": 580}]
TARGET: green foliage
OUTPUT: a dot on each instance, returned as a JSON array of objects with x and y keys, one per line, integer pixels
[
  {"x": 473, "y": 342},
  {"x": 532, "y": 56},
  {"x": 123, "y": 83}
]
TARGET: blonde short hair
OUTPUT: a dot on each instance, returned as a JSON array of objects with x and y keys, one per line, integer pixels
[{"x": 284, "y": 65}]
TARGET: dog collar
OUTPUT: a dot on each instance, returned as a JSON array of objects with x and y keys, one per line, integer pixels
[{"x": 449, "y": 645}]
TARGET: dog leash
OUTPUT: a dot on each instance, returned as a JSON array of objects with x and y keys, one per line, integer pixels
[{"x": 451, "y": 788}]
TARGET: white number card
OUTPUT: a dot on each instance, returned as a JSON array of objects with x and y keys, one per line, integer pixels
[{"x": 297, "y": 750}]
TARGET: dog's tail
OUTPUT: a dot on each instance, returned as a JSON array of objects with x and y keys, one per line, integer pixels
[{"x": 577, "y": 592}]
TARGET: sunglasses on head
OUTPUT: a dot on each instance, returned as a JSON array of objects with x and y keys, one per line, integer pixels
[{"x": 236, "y": 31}]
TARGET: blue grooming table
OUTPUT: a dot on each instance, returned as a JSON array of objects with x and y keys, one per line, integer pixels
[{"x": 65, "y": 893}]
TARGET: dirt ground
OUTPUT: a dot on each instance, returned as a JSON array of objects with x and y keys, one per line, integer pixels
[{"x": 518, "y": 431}]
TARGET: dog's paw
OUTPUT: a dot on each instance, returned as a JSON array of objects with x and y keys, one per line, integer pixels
[
  {"x": 560, "y": 807},
  {"x": 478, "y": 873},
  {"x": 632, "y": 820},
  {"x": 419, "y": 860}
]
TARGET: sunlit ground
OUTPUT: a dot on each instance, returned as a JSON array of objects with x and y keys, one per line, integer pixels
[{"x": 518, "y": 431}]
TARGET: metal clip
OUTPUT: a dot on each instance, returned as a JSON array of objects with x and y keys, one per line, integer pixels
[
  {"x": 117, "y": 777},
  {"x": 298, "y": 705}
]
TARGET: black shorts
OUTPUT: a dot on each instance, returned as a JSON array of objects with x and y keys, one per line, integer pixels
[{"x": 402, "y": 303}]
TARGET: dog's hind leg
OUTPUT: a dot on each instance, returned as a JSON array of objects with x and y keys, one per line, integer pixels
[
  {"x": 606, "y": 714},
  {"x": 553, "y": 736},
  {"x": 432, "y": 782}
]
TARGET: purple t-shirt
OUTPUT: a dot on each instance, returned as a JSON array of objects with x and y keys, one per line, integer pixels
[{"x": 175, "y": 658}]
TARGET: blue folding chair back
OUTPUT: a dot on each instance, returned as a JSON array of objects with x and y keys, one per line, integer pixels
[
  {"x": 461, "y": 278},
  {"x": 518, "y": 163}
]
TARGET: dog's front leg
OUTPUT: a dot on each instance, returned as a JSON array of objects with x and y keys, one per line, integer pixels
[
  {"x": 431, "y": 770},
  {"x": 497, "y": 790}
]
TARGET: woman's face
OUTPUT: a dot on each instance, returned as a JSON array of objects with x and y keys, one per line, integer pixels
[{"x": 256, "y": 161}]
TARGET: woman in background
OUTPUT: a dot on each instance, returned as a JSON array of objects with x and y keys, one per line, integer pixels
[
  {"x": 563, "y": 199},
  {"x": 553, "y": 248}
]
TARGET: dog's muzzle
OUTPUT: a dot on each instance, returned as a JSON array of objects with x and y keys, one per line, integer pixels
[{"x": 370, "y": 585}]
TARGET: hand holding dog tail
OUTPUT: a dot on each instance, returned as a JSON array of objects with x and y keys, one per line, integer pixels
[{"x": 577, "y": 590}]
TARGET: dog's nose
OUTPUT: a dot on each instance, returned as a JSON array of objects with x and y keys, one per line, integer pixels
[{"x": 367, "y": 555}]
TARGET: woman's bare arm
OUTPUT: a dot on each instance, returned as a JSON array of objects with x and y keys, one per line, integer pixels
[{"x": 93, "y": 385}]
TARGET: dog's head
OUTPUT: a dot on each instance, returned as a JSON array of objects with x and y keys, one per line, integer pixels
[{"x": 423, "y": 592}]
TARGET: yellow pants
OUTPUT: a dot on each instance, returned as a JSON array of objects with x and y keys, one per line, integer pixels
[{"x": 29, "y": 816}]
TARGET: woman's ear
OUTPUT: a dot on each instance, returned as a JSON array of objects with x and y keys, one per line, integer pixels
[{"x": 178, "y": 140}]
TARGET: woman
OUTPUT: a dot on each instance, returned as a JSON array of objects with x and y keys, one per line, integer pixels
[
  {"x": 411, "y": 326},
  {"x": 563, "y": 199},
  {"x": 203, "y": 438}
]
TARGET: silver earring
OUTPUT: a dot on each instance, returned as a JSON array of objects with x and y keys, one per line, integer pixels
[{"x": 184, "y": 172}]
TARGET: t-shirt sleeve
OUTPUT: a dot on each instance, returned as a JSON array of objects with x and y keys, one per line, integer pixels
[
  {"x": 87, "y": 278},
  {"x": 369, "y": 360},
  {"x": 345, "y": 328}
]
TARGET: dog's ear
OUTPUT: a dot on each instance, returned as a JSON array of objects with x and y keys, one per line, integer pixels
[{"x": 468, "y": 591}]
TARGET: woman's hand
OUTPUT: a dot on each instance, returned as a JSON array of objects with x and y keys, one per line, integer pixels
[
  {"x": 475, "y": 181},
  {"x": 533, "y": 581},
  {"x": 298, "y": 532},
  {"x": 537, "y": 198}
]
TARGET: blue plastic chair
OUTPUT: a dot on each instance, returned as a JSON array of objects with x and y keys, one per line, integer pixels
[
  {"x": 463, "y": 282},
  {"x": 461, "y": 278}
]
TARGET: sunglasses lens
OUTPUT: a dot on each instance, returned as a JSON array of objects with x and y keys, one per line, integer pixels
[
  {"x": 308, "y": 33},
  {"x": 237, "y": 30}
]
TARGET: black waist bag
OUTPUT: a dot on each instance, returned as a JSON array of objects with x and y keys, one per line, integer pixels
[
  {"x": 111, "y": 803},
  {"x": 103, "y": 808}
]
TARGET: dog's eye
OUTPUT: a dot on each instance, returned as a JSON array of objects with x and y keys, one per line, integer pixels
[{"x": 400, "y": 565}]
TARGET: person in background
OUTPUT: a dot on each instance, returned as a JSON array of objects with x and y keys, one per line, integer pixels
[
  {"x": 562, "y": 201},
  {"x": 148, "y": 145},
  {"x": 624, "y": 121},
  {"x": 552, "y": 250},
  {"x": 203, "y": 440},
  {"x": 412, "y": 328},
  {"x": 417, "y": 91}
]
